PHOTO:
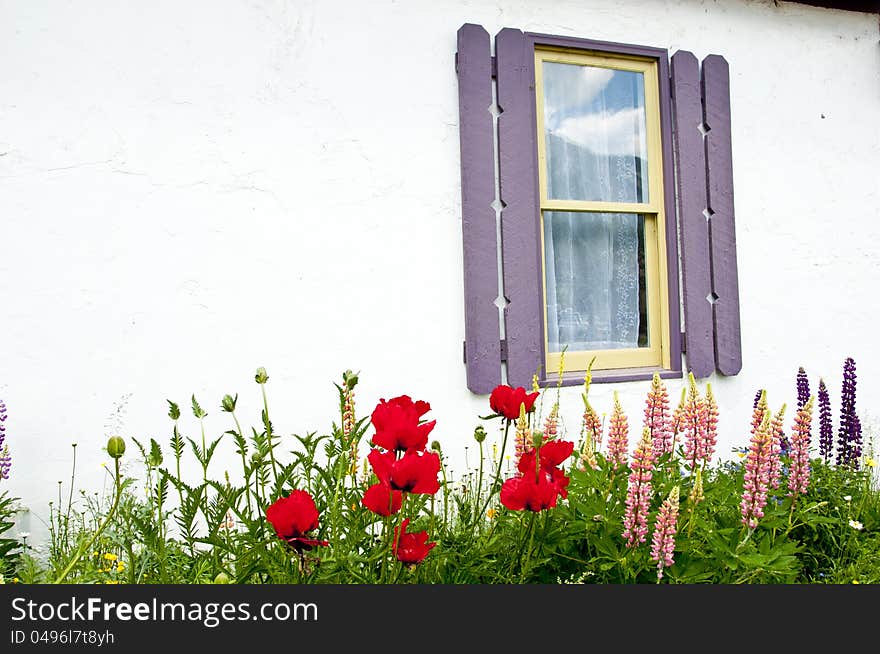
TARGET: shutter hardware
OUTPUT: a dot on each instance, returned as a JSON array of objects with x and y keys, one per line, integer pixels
[{"x": 502, "y": 347}]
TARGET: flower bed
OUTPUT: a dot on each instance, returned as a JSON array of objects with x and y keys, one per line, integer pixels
[{"x": 622, "y": 505}]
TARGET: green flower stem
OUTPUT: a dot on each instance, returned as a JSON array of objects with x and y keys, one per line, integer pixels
[
  {"x": 497, "y": 479},
  {"x": 94, "y": 538},
  {"x": 204, "y": 453},
  {"x": 528, "y": 556},
  {"x": 247, "y": 481},
  {"x": 269, "y": 433},
  {"x": 478, "y": 516}
]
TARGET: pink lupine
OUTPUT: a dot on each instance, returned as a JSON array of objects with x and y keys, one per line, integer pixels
[
  {"x": 523, "y": 434},
  {"x": 618, "y": 436},
  {"x": 639, "y": 492},
  {"x": 665, "y": 528},
  {"x": 777, "y": 435},
  {"x": 711, "y": 432},
  {"x": 657, "y": 417},
  {"x": 551, "y": 423},
  {"x": 799, "y": 469},
  {"x": 757, "y": 475},
  {"x": 694, "y": 427},
  {"x": 677, "y": 421}
]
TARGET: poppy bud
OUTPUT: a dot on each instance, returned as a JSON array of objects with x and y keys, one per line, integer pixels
[
  {"x": 228, "y": 403},
  {"x": 435, "y": 445},
  {"x": 479, "y": 434},
  {"x": 537, "y": 439},
  {"x": 262, "y": 376},
  {"x": 115, "y": 447},
  {"x": 221, "y": 578}
]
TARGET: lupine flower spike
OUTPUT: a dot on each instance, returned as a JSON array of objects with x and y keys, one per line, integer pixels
[
  {"x": 696, "y": 495},
  {"x": 757, "y": 398},
  {"x": 658, "y": 420},
  {"x": 592, "y": 423},
  {"x": 5, "y": 456},
  {"x": 849, "y": 433},
  {"x": 757, "y": 475},
  {"x": 591, "y": 428},
  {"x": 803, "y": 388},
  {"x": 778, "y": 445},
  {"x": 551, "y": 423},
  {"x": 665, "y": 528},
  {"x": 618, "y": 436},
  {"x": 759, "y": 412},
  {"x": 523, "y": 434},
  {"x": 694, "y": 427},
  {"x": 826, "y": 429},
  {"x": 799, "y": 472},
  {"x": 711, "y": 433},
  {"x": 678, "y": 418},
  {"x": 639, "y": 492}
]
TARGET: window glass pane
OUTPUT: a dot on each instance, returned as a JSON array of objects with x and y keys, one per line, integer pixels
[
  {"x": 595, "y": 134},
  {"x": 594, "y": 267}
]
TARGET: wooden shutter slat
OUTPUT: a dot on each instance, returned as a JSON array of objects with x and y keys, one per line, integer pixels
[
  {"x": 476, "y": 131},
  {"x": 520, "y": 240},
  {"x": 719, "y": 164},
  {"x": 690, "y": 160}
]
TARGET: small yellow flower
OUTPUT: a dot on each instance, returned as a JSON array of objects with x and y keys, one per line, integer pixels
[
  {"x": 491, "y": 513},
  {"x": 110, "y": 556},
  {"x": 111, "y": 581},
  {"x": 120, "y": 566},
  {"x": 15, "y": 580},
  {"x": 869, "y": 462},
  {"x": 741, "y": 455},
  {"x": 856, "y": 581}
]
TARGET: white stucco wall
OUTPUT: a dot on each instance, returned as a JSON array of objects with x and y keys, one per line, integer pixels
[{"x": 192, "y": 190}]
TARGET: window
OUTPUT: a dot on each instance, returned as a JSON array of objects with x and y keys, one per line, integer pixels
[
  {"x": 592, "y": 210},
  {"x": 600, "y": 173}
]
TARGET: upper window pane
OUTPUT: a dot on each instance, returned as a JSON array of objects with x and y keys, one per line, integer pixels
[{"x": 595, "y": 133}]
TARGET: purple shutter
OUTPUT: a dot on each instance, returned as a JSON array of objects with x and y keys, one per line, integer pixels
[
  {"x": 482, "y": 336},
  {"x": 722, "y": 236},
  {"x": 521, "y": 242},
  {"x": 690, "y": 160}
]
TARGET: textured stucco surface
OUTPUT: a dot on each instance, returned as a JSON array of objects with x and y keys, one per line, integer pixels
[{"x": 192, "y": 190}]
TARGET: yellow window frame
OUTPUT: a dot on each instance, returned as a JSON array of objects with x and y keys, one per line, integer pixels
[{"x": 657, "y": 355}]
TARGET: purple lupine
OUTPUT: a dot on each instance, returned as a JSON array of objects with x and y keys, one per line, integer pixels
[
  {"x": 2, "y": 423},
  {"x": 5, "y": 456},
  {"x": 803, "y": 388},
  {"x": 826, "y": 430},
  {"x": 849, "y": 433}
]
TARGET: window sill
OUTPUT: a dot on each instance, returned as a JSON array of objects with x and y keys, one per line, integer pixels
[{"x": 576, "y": 378}]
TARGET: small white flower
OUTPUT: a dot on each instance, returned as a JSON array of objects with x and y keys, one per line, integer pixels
[
  {"x": 855, "y": 524},
  {"x": 847, "y": 498}
]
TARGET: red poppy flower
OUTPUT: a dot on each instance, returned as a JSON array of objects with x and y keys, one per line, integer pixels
[
  {"x": 293, "y": 517},
  {"x": 531, "y": 492},
  {"x": 411, "y": 548},
  {"x": 414, "y": 472},
  {"x": 553, "y": 454},
  {"x": 397, "y": 424},
  {"x": 506, "y": 401},
  {"x": 380, "y": 499}
]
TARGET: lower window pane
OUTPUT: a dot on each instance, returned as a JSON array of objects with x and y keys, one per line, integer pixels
[{"x": 594, "y": 266}]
